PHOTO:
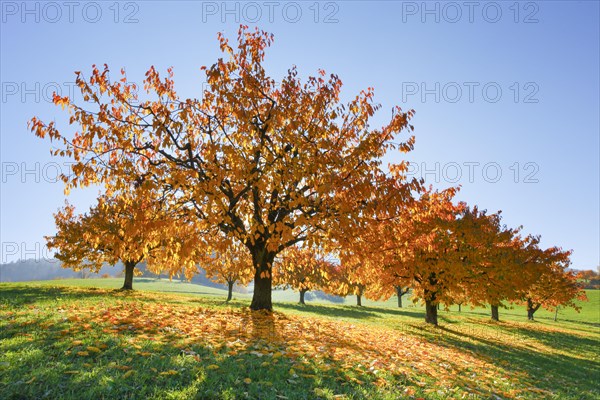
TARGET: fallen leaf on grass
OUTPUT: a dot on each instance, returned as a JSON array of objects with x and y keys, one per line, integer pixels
[
  {"x": 128, "y": 373},
  {"x": 169, "y": 372}
]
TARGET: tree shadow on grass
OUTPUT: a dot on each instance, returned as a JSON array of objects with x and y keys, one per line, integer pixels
[
  {"x": 24, "y": 295},
  {"x": 363, "y": 312},
  {"x": 332, "y": 312},
  {"x": 568, "y": 377},
  {"x": 18, "y": 295},
  {"x": 556, "y": 339},
  {"x": 39, "y": 360}
]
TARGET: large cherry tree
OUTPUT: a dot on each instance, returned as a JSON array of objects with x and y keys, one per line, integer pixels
[{"x": 267, "y": 163}]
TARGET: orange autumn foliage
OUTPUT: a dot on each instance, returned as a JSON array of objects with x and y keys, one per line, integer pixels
[{"x": 266, "y": 164}]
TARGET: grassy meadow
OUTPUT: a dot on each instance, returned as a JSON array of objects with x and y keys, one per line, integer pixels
[{"x": 83, "y": 339}]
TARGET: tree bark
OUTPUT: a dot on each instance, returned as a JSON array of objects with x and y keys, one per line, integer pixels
[
  {"x": 302, "y": 293},
  {"x": 531, "y": 309},
  {"x": 129, "y": 267},
  {"x": 229, "y": 290},
  {"x": 400, "y": 293},
  {"x": 431, "y": 312},
  {"x": 263, "y": 261},
  {"x": 459, "y": 307},
  {"x": 495, "y": 314},
  {"x": 359, "y": 300}
]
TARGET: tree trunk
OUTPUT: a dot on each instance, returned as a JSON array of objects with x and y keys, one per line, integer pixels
[
  {"x": 556, "y": 314},
  {"x": 495, "y": 314},
  {"x": 400, "y": 293},
  {"x": 230, "y": 290},
  {"x": 431, "y": 312},
  {"x": 129, "y": 267},
  {"x": 359, "y": 300},
  {"x": 302, "y": 293},
  {"x": 459, "y": 307},
  {"x": 531, "y": 309},
  {"x": 263, "y": 261}
]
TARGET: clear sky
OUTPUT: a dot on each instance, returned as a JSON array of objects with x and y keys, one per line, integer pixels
[{"x": 506, "y": 93}]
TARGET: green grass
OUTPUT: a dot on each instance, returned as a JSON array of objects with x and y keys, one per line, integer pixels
[{"x": 182, "y": 341}]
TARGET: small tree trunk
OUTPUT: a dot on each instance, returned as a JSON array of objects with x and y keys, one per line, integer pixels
[
  {"x": 531, "y": 309},
  {"x": 431, "y": 312},
  {"x": 359, "y": 300},
  {"x": 459, "y": 307},
  {"x": 129, "y": 267},
  {"x": 262, "y": 260},
  {"x": 302, "y": 293},
  {"x": 495, "y": 314},
  {"x": 399, "y": 293},
  {"x": 556, "y": 314},
  {"x": 230, "y": 290}
]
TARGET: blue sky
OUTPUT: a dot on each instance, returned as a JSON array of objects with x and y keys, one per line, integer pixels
[{"x": 506, "y": 93}]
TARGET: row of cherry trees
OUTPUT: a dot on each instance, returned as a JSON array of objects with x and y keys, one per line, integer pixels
[
  {"x": 277, "y": 183},
  {"x": 447, "y": 254}
]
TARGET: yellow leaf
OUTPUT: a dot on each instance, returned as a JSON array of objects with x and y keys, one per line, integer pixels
[
  {"x": 77, "y": 342},
  {"x": 213, "y": 366},
  {"x": 248, "y": 380},
  {"x": 128, "y": 373},
  {"x": 169, "y": 372},
  {"x": 83, "y": 353},
  {"x": 31, "y": 380},
  {"x": 93, "y": 349}
]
